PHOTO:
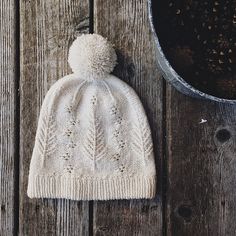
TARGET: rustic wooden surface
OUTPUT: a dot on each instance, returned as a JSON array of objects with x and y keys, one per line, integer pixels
[
  {"x": 195, "y": 162},
  {"x": 8, "y": 121},
  {"x": 201, "y": 194}
]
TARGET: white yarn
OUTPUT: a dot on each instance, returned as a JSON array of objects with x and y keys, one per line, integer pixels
[
  {"x": 91, "y": 56},
  {"x": 93, "y": 140}
]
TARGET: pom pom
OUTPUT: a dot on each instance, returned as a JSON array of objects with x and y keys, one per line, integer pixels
[{"x": 91, "y": 56}]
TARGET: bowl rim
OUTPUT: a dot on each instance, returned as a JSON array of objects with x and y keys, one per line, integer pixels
[{"x": 165, "y": 63}]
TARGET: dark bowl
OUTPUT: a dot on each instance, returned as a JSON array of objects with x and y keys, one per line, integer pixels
[{"x": 167, "y": 70}]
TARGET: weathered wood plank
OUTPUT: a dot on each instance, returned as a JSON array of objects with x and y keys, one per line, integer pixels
[
  {"x": 47, "y": 30},
  {"x": 8, "y": 136},
  {"x": 201, "y": 167},
  {"x": 126, "y": 25}
]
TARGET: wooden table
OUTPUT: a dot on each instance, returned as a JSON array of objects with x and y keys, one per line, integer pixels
[{"x": 196, "y": 162}]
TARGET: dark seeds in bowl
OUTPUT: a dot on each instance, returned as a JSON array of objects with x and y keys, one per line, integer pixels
[{"x": 199, "y": 40}]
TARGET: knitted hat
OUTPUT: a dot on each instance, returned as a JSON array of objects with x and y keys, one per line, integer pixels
[{"x": 93, "y": 140}]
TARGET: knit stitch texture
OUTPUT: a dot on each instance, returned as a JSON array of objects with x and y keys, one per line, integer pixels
[{"x": 93, "y": 142}]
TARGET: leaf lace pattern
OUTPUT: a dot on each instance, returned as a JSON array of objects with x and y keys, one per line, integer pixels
[
  {"x": 94, "y": 144},
  {"x": 142, "y": 142},
  {"x": 141, "y": 137},
  {"x": 117, "y": 132},
  {"x": 46, "y": 138}
]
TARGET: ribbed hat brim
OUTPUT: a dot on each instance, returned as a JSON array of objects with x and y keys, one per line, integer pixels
[{"x": 42, "y": 186}]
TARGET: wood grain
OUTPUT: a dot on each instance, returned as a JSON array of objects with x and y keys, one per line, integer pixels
[
  {"x": 126, "y": 25},
  {"x": 8, "y": 132},
  {"x": 201, "y": 167},
  {"x": 47, "y": 30},
  {"x": 201, "y": 160}
]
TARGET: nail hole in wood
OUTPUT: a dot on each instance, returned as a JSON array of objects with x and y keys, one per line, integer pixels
[
  {"x": 185, "y": 212},
  {"x": 223, "y": 135},
  {"x": 3, "y": 208}
]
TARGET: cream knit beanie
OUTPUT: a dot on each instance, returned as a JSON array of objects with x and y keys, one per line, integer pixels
[{"x": 93, "y": 140}]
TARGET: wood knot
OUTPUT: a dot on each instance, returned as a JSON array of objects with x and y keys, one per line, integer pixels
[
  {"x": 223, "y": 135},
  {"x": 103, "y": 229}
]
